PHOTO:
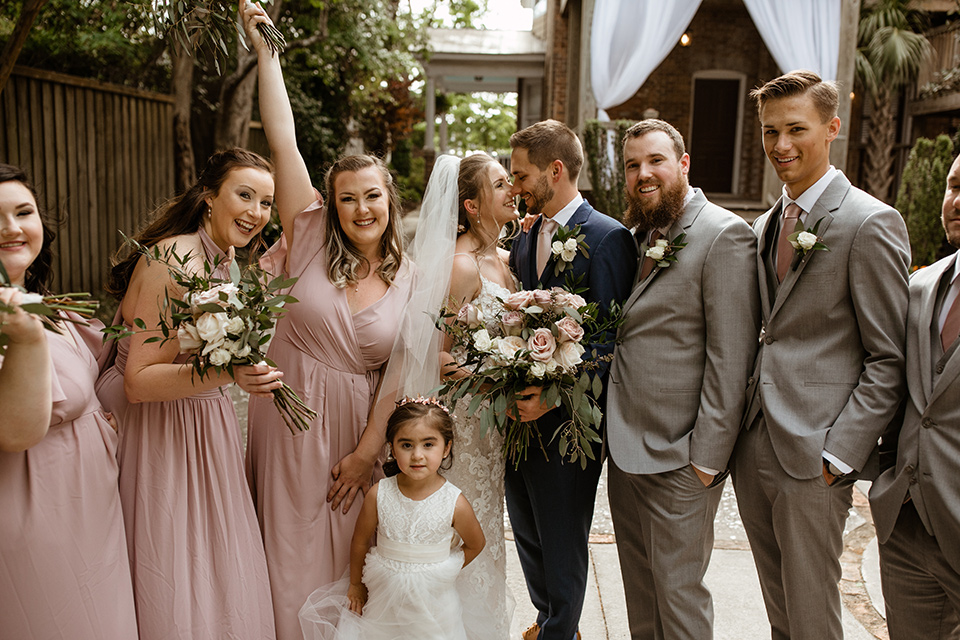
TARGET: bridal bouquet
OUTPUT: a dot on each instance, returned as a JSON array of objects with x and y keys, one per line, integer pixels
[
  {"x": 47, "y": 307},
  {"x": 223, "y": 323},
  {"x": 538, "y": 340}
]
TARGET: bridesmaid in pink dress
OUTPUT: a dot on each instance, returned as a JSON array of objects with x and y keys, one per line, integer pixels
[
  {"x": 331, "y": 347},
  {"x": 199, "y": 570},
  {"x": 64, "y": 571}
]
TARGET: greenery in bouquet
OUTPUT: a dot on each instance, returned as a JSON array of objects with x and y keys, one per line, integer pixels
[
  {"x": 538, "y": 340},
  {"x": 49, "y": 308},
  {"x": 222, "y": 323}
]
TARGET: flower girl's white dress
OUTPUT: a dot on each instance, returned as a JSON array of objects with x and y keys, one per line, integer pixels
[{"x": 411, "y": 578}]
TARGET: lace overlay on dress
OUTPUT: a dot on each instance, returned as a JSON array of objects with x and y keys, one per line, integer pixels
[{"x": 478, "y": 469}]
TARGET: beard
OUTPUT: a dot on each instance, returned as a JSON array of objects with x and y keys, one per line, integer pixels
[
  {"x": 661, "y": 215},
  {"x": 540, "y": 196}
]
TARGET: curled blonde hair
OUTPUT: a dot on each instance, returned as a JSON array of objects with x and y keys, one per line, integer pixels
[{"x": 345, "y": 261}]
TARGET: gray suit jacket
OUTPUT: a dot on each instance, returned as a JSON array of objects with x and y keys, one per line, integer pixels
[
  {"x": 830, "y": 366},
  {"x": 928, "y": 445},
  {"x": 687, "y": 345}
]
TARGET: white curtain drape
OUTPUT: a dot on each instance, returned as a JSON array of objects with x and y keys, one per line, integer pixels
[
  {"x": 800, "y": 35},
  {"x": 629, "y": 39}
]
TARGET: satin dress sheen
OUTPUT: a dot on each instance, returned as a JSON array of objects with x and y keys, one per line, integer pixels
[
  {"x": 333, "y": 360},
  {"x": 199, "y": 569},
  {"x": 64, "y": 572}
]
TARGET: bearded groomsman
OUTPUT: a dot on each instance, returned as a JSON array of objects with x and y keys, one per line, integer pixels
[
  {"x": 676, "y": 397},
  {"x": 829, "y": 371},
  {"x": 916, "y": 501}
]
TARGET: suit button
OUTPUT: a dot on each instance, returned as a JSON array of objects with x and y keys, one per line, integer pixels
[
  {"x": 750, "y": 381},
  {"x": 939, "y": 368},
  {"x": 909, "y": 469},
  {"x": 769, "y": 340},
  {"x": 926, "y": 423},
  {"x": 913, "y": 480}
]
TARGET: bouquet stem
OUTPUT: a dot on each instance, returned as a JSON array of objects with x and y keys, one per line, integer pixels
[{"x": 293, "y": 410}]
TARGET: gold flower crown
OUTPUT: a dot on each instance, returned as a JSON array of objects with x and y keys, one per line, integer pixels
[{"x": 424, "y": 401}]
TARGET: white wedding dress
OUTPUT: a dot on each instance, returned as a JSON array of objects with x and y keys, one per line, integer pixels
[{"x": 478, "y": 469}]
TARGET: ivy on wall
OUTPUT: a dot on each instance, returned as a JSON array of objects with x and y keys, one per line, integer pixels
[{"x": 603, "y": 146}]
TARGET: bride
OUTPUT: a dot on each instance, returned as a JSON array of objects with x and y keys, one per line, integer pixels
[{"x": 458, "y": 261}]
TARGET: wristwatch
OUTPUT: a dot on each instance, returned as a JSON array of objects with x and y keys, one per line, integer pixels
[{"x": 834, "y": 471}]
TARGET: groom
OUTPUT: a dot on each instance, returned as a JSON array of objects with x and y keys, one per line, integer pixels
[{"x": 551, "y": 501}]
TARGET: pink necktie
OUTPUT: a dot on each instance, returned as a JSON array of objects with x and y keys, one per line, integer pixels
[
  {"x": 544, "y": 242},
  {"x": 951, "y": 326},
  {"x": 784, "y": 248},
  {"x": 648, "y": 262}
]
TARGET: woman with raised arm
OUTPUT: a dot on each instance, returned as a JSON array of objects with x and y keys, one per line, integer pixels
[
  {"x": 197, "y": 558},
  {"x": 64, "y": 571},
  {"x": 332, "y": 346}
]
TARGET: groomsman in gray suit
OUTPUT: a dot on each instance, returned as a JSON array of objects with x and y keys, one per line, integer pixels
[
  {"x": 829, "y": 371},
  {"x": 676, "y": 393},
  {"x": 916, "y": 501}
]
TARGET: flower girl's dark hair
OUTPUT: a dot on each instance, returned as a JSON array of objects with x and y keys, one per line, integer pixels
[{"x": 413, "y": 410}]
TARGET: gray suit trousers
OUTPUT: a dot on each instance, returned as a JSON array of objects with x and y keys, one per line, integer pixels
[
  {"x": 795, "y": 529},
  {"x": 920, "y": 589},
  {"x": 664, "y": 528}
]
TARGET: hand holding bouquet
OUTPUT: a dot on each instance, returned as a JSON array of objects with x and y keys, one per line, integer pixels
[
  {"x": 539, "y": 339},
  {"x": 223, "y": 323}
]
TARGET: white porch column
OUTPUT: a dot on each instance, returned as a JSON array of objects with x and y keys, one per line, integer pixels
[
  {"x": 430, "y": 100},
  {"x": 443, "y": 133}
]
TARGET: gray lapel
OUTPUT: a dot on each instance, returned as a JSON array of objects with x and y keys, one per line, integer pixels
[
  {"x": 952, "y": 367},
  {"x": 762, "y": 228},
  {"x": 687, "y": 218}
]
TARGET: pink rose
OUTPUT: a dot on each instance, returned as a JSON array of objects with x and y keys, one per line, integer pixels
[
  {"x": 542, "y": 345},
  {"x": 569, "y": 330},
  {"x": 518, "y": 300},
  {"x": 470, "y": 316},
  {"x": 569, "y": 355},
  {"x": 576, "y": 301},
  {"x": 543, "y": 298},
  {"x": 512, "y": 322}
]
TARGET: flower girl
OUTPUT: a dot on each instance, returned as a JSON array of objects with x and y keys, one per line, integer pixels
[{"x": 406, "y": 586}]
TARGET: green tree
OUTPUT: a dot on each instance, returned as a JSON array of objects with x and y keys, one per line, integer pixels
[
  {"x": 604, "y": 159},
  {"x": 920, "y": 197},
  {"x": 480, "y": 122},
  {"x": 890, "y": 49}
]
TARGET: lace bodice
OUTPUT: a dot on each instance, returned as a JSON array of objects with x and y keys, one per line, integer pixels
[
  {"x": 490, "y": 303},
  {"x": 427, "y": 521}
]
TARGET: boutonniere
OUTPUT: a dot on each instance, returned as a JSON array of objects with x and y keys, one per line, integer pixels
[
  {"x": 663, "y": 252},
  {"x": 805, "y": 241},
  {"x": 567, "y": 243}
]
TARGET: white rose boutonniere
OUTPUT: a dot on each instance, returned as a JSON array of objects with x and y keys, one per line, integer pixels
[
  {"x": 567, "y": 243},
  {"x": 805, "y": 241},
  {"x": 663, "y": 252}
]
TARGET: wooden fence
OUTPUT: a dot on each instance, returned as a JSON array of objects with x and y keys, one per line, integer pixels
[{"x": 101, "y": 155}]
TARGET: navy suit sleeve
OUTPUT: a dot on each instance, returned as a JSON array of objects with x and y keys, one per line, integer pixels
[{"x": 613, "y": 266}]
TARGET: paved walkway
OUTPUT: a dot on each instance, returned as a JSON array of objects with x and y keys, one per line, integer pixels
[{"x": 732, "y": 578}]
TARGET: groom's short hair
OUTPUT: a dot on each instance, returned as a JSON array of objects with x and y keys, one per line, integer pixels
[{"x": 548, "y": 141}]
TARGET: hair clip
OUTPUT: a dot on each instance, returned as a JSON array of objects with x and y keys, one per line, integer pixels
[{"x": 424, "y": 401}]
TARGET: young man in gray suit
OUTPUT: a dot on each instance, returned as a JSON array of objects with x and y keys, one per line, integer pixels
[
  {"x": 675, "y": 399},
  {"x": 830, "y": 366},
  {"x": 916, "y": 500}
]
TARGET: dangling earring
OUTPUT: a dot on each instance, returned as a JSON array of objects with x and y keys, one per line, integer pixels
[{"x": 209, "y": 212}]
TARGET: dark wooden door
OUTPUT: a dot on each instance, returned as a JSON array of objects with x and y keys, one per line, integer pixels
[{"x": 716, "y": 102}]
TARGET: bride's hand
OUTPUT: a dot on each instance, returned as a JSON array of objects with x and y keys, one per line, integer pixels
[
  {"x": 527, "y": 222},
  {"x": 253, "y": 14},
  {"x": 350, "y": 476}
]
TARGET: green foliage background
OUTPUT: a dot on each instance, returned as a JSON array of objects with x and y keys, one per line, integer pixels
[
  {"x": 607, "y": 179},
  {"x": 920, "y": 197}
]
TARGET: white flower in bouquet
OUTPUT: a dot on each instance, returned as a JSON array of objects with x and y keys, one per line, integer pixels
[
  {"x": 569, "y": 355},
  {"x": 512, "y": 323},
  {"x": 509, "y": 346},
  {"x": 189, "y": 338},
  {"x": 805, "y": 240},
  {"x": 470, "y": 315},
  {"x": 238, "y": 349},
  {"x": 235, "y": 326},
  {"x": 538, "y": 369},
  {"x": 219, "y": 357},
  {"x": 569, "y": 329},
  {"x": 542, "y": 344},
  {"x": 212, "y": 327},
  {"x": 212, "y": 295},
  {"x": 482, "y": 341}
]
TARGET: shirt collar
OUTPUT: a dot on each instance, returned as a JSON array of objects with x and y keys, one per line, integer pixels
[
  {"x": 563, "y": 216},
  {"x": 808, "y": 198}
]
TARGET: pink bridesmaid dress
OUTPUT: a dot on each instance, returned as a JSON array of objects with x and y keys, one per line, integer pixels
[
  {"x": 332, "y": 359},
  {"x": 64, "y": 572},
  {"x": 197, "y": 559}
]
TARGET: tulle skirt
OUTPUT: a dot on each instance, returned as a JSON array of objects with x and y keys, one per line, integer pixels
[{"x": 406, "y": 601}]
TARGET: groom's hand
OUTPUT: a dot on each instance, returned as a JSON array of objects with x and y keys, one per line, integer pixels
[{"x": 530, "y": 405}]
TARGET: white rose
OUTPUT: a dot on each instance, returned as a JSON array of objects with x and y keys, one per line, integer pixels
[
  {"x": 212, "y": 327},
  {"x": 538, "y": 369},
  {"x": 189, "y": 338},
  {"x": 219, "y": 357},
  {"x": 567, "y": 255},
  {"x": 235, "y": 326},
  {"x": 570, "y": 244},
  {"x": 662, "y": 243},
  {"x": 806, "y": 240},
  {"x": 656, "y": 253},
  {"x": 509, "y": 346},
  {"x": 482, "y": 341},
  {"x": 552, "y": 366},
  {"x": 238, "y": 349},
  {"x": 568, "y": 354},
  {"x": 556, "y": 247}
]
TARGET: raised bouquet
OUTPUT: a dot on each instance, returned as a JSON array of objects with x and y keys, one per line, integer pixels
[
  {"x": 47, "y": 307},
  {"x": 538, "y": 340},
  {"x": 223, "y": 323}
]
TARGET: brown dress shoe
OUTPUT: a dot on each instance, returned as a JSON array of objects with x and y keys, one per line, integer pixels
[{"x": 532, "y": 632}]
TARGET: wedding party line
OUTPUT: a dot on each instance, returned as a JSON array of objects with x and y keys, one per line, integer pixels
[{"x": 401, "y": 396}]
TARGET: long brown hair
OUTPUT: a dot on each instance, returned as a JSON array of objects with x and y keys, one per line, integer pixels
[
  {"x": 184, "y": 213},
  {"x": 470, "y": 183},
  {"x": 40, "y": 272},
  {"x": 344, "y": 260}
]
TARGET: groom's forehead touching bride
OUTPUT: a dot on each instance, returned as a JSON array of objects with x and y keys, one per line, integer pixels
[{"x": 656, "y": 167}]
